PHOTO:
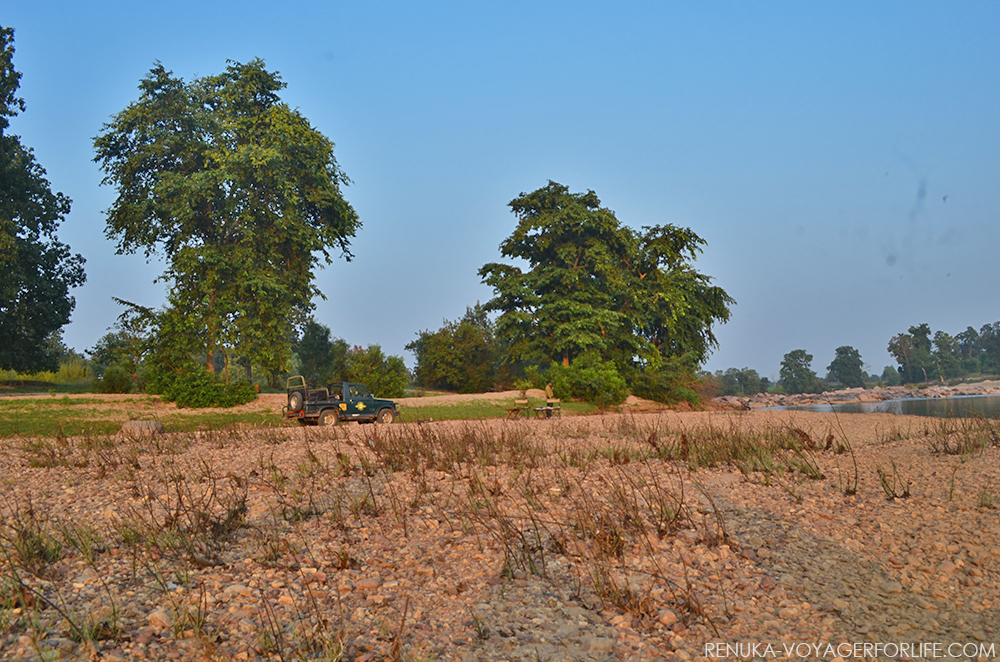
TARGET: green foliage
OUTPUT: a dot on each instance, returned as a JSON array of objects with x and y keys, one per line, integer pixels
[
  {"x": 385, "y": 376},
  {"x": 796, "y": 373},
  {"x": 987, "y": 348},
  {"x": 168, "y": 356},
  {"x": 36, "y": 270},
  {"x": 745, "y": 382},
  {"x": 461, "y": 356},
  {"x": 847, "y": 367},
  {"x": 947, "y": 355},
  {"x": 243, "y": 208},
  {"x": 199, "y": 388},
  {"x": 73, "y": 369},
  {"x": 109, "y": 350},
  {"x": 922, "y": 358},
  {"x": 594, "y": 285},
  {"x": 322, "y": 360},
  {"x": 673, "y": 380},
  {"x": 890, "y": 376},
  {"x": 913, "y": 353},
  {"x": 314, "y": 352},
  {"x": 114, "y": 379},
  {"x": 590, "y": 379},
  {"x": 127, "y": 348}
]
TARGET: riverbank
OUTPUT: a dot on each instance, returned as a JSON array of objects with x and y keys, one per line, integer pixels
[
  {"x": 859, "y": 395},
  {"x": 619, "y": 536}
]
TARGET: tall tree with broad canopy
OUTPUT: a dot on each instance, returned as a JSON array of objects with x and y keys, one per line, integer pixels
[
  {"x": 847, "y": 367},
  {"x": 594, "y": 286},
  {"x": 36, "y": 270},
  {"x": 240, "y": 194},
  {"x": 796, "y": 374},
  {"x": 912, "y": 351}
]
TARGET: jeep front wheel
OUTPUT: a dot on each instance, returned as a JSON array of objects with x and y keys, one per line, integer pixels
[
  {"x": 328, "y": 417},
  {"x": 386, "y": 416}
]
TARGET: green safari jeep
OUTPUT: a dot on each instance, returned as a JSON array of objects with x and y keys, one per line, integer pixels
[{"x": 339, "y": 401}]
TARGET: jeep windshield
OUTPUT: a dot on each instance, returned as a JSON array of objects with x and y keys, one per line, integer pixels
[{"x": 359, "y": 391}]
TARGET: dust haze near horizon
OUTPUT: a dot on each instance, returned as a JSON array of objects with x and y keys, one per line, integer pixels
[{"x": 842, "y": 160}]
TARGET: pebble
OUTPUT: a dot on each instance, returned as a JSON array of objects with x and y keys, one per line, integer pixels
[
  {"x": 160, "y": 618},
  {"x": 879, "y": 570},
  {"x": 667, "y": 618},
  {"x": 600, "y": 646},
  {"x": 368, "y": 584},
  {"x": 891, "y": 587}
]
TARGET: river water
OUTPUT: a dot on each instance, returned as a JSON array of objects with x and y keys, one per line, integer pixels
[{"x": 961, "y": 406}]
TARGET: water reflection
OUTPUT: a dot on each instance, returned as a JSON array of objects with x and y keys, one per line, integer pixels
[{"x": 962, "y": 406}]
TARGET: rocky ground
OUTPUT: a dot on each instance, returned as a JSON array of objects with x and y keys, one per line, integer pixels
[
  {"x": 636, "y": 536},
  {"x": 859, "y": 395}
]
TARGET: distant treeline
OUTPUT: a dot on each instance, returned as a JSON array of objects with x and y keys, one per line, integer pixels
[{"x": 921, "y": 356}]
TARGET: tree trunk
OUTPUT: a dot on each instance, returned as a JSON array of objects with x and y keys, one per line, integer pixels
[{"x": 210, "y": 349}]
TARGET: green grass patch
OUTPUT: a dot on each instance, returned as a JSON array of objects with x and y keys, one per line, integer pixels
[
  {"x": 94, "y": 422},
  {"x": 481, "y": 409},
  {"x": 48, "y": 416},
  {"x": 54, "y": 416},
  {"x": 65, "y": 401},
  {"x": 18, "y": 386}
]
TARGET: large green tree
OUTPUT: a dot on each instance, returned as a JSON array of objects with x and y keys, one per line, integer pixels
[
  {"x": 847, "y": 367},
  {"x": 240, "y": 194},
  {"x": 947, "y": 355},
  {"x": 912, "y": 351},
  {"x": 36, "y": 270},
  {"x": 796, "y": 374},
  {"x": 988, "y": 345},
  {"x": 594, "y": 286}
]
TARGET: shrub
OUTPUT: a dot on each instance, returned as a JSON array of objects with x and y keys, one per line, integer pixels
[
  {"x": 198, "y": 388},
  {"x": 73, "y": 369},
  {"x": 673, "y": 380},
  {"x": 461, "y": 356},
  {"x": 114, "y": 380},
  {"x": 591, "y": 380}
]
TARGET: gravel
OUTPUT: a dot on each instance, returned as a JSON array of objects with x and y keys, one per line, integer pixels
[{"x": 557, "y": 541}]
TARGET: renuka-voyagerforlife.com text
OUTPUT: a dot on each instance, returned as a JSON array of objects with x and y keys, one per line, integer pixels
[{"x": 867, "y": 650}]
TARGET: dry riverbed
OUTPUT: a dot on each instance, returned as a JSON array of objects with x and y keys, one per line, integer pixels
[
  {"x": 636, "y": 536},
  {"x": 860, "y": 395}
]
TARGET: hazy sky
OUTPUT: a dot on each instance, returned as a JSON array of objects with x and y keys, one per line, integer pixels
[{"x": 842, "y": 160}]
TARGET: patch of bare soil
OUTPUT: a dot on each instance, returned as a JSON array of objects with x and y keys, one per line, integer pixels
[
  {"x": 636, "y": 536},
  {"x": 456, "y": 398}
]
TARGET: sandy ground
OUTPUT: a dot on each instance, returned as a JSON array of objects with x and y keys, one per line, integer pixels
[{"x": 582, "y": 538}]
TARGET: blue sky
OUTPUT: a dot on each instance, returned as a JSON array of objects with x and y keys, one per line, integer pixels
[{"x": 842, "y": 160}]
